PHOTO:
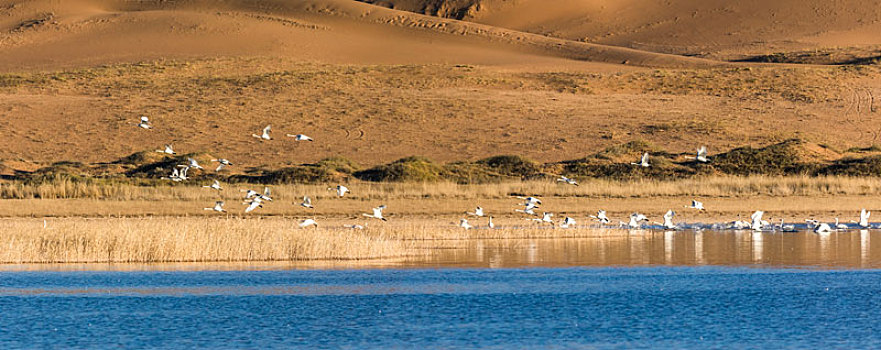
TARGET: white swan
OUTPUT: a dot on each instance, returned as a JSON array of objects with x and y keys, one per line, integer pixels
[
  {"x": 601, "y": 217},
  {"x": 546, "y": 218},
  {"x": 701, "y": 155},
  {"x": 377, "y": 213},
  {"x": 478, "y": 212},
  {"x": 644, "y": 161},
  {"x": 218, "y": 207},
  {"x": 696, "y": 205},
  {"x": 567, "y": 222},
  {"x": 214, "y": 186},
  {"x": 222, "y": 163},
  {"x": 265, "y": 134},
  {"x": 757, "y": 222},
  {"x": 167, "y": 150},
  {"x": 636, "y": 220},
  {"x": 254, "y": 204},
  {"x": 464, "y": 224},
  {"x": 194, "y": 164},
  {"x": 864, "y": 218},
  {"x": 567, "y": 180},
  {"x": 491, "y": 224},
  {"x": 823, "y": 228},
  {"x": 307, "y": 202},
  {"x": 340, "y": 190},
  {"x": 668, "y": 220},
  {"x": 307, "y": 222},
  {"x": 145, "y": 123},
  {"x": 300, "y": 137}
]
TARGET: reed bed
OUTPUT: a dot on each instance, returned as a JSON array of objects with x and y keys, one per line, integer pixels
[
  {"x": 167, "y": 240},
  {"x": 712, "y": 186}
]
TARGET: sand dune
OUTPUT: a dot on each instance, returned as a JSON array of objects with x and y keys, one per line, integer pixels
[
  {"x": 720, "y": 27},
  {"x": 86, "y": 32}
]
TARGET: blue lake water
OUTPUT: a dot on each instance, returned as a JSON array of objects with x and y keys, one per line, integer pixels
[{"x": 539, "y": 307}]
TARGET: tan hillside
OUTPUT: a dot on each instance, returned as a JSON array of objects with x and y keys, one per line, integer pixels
[
  {"x": 715, "y": 27},
  {"x": 375, "y": 84}
]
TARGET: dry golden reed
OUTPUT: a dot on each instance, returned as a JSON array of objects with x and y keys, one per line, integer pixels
[
  {"x": 155, "y": 240},
  {"x": 712, "y": 186}
]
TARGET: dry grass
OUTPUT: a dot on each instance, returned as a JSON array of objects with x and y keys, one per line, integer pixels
[
  {"x": 712, "y": 186},
  {"x": 147, "y": 240},
  {"x": 184, "y": 240}
]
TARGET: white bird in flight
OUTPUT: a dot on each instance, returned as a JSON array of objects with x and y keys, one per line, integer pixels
[
  {"x": 145, "y": 123},
  {"x": 218, "y": 207},
  {"x": 377, "y": 213},
  {"x": 668, "y": 220},
  {"x": 757, "y": 222},
  {"x": 300, "y": 137},
  {"x": 567, "y": 180},
  {"x": 529, "y": 209},
  {"x": 265, "y": 134},
  {"x": 601, "y": 217},
  {"x": 701, "y": 155},
  {"x": 307, "y": 222},
  {"x": 531, "y": 200},
  {"x": 266, "y": 196},
  {"x": 168, "y": 150},
  {"x": 222, "y": 163},
  {"x": 478, "y": 212},
  {"x": 307, "y": 202},
  {"x": 696, "y": 205},
  {"x": 249, "y": 193},
  {"x": 546, "y": 218},
  {"x": 215, "y": 186},
  {"x": 194, "y": 164},
  {"x": 340, "y": 190},
  {"x": 636, "y": 220},
  {"x": 644, "y": 161},
  {"x": 864, "y": 218},
  {"x": 567, "y": 222},
  {"x": 463, "y": 223},
  {"x": 255, "y": 203}
]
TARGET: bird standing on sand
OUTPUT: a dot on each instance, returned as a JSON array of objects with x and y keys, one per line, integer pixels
[
  {"x": 307, "y": 202},
  {"x": 223, "y": 163},
  {"x": 167, "y": 150},
  {"x": 145, "y": 123},
  {"x": 567, "y": 181},
  {"x": 377, "y": 213},
  {"x": 644, "y": 161},
  {"x": 300, "y": 137},
  {"x": 215, "y": 186},
  {"x": 307, "y": 222},
  {"x": 265, "y": 135},
  {"x": 218, "y": 207}
]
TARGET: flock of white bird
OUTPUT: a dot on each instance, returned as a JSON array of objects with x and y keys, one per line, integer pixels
[{"x": 254, "y": 200}]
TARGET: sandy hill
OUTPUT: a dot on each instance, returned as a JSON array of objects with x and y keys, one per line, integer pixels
[
  {"x": 721, "y": 28},
  {"x": 45, "y": 33},
  {"x": 378, "y": 82}
]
